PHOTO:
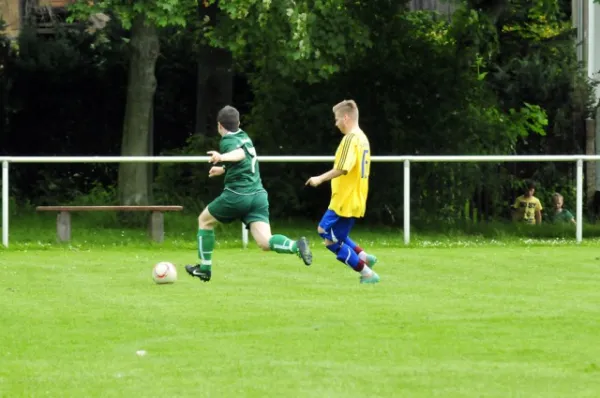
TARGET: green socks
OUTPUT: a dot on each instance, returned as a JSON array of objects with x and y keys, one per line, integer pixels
[
  {"x": 206, "y": 244},
  {"x": 283, "y": 244}
]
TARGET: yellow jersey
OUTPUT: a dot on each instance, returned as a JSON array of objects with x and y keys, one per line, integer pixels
[
  {"x": 349, "y": 191},
  {"x": 527, "y": 208}
]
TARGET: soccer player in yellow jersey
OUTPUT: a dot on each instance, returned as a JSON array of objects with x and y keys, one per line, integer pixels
[{"x": 349, "y": 189}]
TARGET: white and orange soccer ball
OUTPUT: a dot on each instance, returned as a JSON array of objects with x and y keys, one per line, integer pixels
[{"x": 164, "y": 272}]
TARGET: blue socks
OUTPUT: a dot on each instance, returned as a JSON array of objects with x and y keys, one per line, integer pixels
[{"x": 345, "y": 254}]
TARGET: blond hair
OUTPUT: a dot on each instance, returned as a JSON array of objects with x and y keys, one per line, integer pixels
[
  {"x": 556, "y": 196},
  {"x": 347, "y": 107}
]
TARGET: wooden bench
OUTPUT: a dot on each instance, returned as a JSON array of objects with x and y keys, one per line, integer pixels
[{"x": 156, "y": 225}]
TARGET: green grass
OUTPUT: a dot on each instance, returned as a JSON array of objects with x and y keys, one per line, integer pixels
[
  {"x": 30, "y": 230},
  {"x": 477, "y": 311},
  {"x": 493, "y": 321}
]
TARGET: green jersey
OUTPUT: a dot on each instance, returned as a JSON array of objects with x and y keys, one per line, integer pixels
[
  {"x": 241, "y": 177},
  {"x": 561, "y": 217}
]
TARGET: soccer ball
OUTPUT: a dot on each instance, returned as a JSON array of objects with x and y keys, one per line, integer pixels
[{"x": 164, "y": 272}]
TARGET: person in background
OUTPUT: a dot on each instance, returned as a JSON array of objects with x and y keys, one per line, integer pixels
[
  {"x": 527, "y": 208},
  {"x": 559, "y": 215}
]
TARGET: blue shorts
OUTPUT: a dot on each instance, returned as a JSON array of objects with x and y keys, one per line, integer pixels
[{"x": 336, "y": 228}]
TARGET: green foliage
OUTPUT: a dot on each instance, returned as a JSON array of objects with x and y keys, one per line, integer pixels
[
  {"x": 499, "y": 78},
  {"x": 434, "y": 88},
  {"x": 294, "y": 39},
  {"x": 428, "y": 93},
  {"x": 474, "y": 36},
  {"x": 98, "y": 195},
  {"x": 298, "y": 39},
  {"x": 529, "y": 119},
  {"x": 537, "y": 65},
  {"x": 188, "y": 184},
  {"x": 62, "y": 96},
  {"x": 161, "y": 13}
]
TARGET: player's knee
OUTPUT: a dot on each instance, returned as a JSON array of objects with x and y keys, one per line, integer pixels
[
  {"x": 339, "y": 237},
  {"x": 206, "y": 221},
  {"x": 263, "y": 244},
  {"x": 322, "y": 233},
  {"x": 202, "y": 223},
  {"x": 261, "y": 231},
  {"x": 325, "y": 235}
]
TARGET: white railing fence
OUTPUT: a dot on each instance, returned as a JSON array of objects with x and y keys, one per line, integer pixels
[{"x": 406, "y": 160}]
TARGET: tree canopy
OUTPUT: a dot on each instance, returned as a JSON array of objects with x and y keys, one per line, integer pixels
[{"x": 496, "y": 78}]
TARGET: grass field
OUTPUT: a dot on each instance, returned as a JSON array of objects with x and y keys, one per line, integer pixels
[{"x": 491, "y": 320}]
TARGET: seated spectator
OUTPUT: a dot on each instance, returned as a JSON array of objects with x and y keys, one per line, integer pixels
[
  {"x": 558, "y": 214},
  {"x": 527, "y": 208}
]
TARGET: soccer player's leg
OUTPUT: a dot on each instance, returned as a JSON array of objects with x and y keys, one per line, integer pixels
[
  {"x": 370, "y": 259},
  {"x": 334, "y": 230},
  {"x": 258, "y": 220},
  {"x": 219, "y": 210},
  {"x": 206, "y": 243}
]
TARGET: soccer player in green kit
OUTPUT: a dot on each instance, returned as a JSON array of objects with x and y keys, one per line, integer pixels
[{"x": 243, "y": 198}]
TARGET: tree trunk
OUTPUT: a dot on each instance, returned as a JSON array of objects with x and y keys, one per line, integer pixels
[
  {"x": 214, "y": 87},
  {"x": 224, "y": 78},
  {"x": 134, "y": 187},
  {"x": 202, "y": 96}
]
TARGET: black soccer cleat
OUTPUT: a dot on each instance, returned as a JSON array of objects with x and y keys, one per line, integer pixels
[
  {"x": 194, "y": 270},
  {"x": 304, "y": 250}
]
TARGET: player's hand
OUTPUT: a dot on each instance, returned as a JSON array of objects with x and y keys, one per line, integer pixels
[
  {"x": 313, "y": 181},
  {"x": 215, "y": 157},
  {"x": 215, "y": 171}
]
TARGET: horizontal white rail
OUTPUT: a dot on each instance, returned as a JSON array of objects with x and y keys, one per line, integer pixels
[
  {"x": 299, "y": 159},
  {"x": 578, "y": 159}
]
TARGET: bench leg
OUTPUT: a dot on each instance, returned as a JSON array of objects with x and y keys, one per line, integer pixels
[
  {"x": 156, "y": 227},
  {"x": 63, "y": 226}
]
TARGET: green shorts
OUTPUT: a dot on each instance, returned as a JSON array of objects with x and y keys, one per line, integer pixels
[{"x": 229, "y": 207}]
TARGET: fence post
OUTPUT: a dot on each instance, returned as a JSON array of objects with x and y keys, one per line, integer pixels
[
  {"x": 244, "y": 236},
  {"x": 406, "y": 202},
  {"x": 579, "y": 211},
  {"x": 5, "y": 203},
  {"x": 590, "y": 166}
]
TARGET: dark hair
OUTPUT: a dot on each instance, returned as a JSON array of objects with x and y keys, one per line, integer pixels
[
  {"x": 529, "y": 184},
  {"x": 229, "y": 117}
]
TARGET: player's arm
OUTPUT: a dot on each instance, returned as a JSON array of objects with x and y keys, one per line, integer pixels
[
  {"x": 216, "y": 171},
  {"x": 345, "y": 159},
  {"x": 234, "y": 156},
  {"x": 330, "y": 175},
  {"x": 538, "y": 212}
]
